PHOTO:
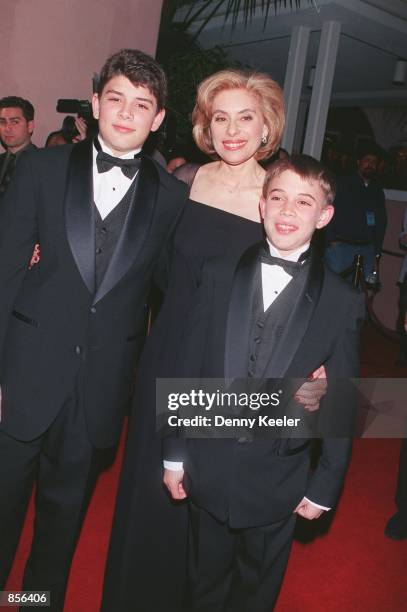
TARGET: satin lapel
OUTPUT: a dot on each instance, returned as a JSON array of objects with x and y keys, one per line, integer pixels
[
  {"x": 79, "y": 211},
  {"x": 240, "y": 315},
  {"x": 298, "y": 322},
  {"x": 135, "y": 229}
]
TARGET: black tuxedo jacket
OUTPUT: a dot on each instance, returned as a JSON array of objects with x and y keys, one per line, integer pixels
[
  {"x": 59, "y": 334},
  {"x": 258, "y": 481}
]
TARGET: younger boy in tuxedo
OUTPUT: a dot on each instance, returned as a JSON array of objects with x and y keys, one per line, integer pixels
[{"x": 288, "y": 314}]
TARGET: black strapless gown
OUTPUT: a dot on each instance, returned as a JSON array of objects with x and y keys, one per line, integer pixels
[{"x": 146, "y": 569}]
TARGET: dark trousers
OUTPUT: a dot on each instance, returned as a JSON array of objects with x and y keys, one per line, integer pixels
[
  {"x": 402, "y": 313},
  {"x": 236, "y": 570},
  {"x": 401, "y": 492},
  {"x": 64, "y": 466}
]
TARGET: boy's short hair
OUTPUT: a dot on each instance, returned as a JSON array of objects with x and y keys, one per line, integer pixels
[
  {"x": 17, "y": 102},
  {"x": 141, "y": 69},
  {"x": 268, "y": 93},
  {"x": 308, "y": 168}
]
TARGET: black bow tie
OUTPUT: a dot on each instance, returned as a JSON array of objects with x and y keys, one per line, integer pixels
[
  {"x": 105, "y": 162},
  {"x": 291, "y": 267}
]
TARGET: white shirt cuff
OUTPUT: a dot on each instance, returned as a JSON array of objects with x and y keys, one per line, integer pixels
[
  {"x": 317, "y": 505},
  {"x": 173, "y": 466}
]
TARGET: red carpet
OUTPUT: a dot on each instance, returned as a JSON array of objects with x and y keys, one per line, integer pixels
[
  {"x": 354, "y": 567},
  {"x": 337, "y": 567}
]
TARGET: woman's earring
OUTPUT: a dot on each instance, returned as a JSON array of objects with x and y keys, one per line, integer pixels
[{"x": 264, "y": 140}]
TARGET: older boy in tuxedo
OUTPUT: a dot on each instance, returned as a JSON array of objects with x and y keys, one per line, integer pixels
[
  {"x": 287, "y": 315},
  {"x": 71, "y": 327}
]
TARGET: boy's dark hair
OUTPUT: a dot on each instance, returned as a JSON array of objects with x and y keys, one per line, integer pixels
[
  {"x": 308, "y": 168},
  {"x": 140, "y": 69},
  {"x": 17, "y": 102}
]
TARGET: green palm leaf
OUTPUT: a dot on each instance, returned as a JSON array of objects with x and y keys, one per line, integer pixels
[{"x": 231, "y": 10}]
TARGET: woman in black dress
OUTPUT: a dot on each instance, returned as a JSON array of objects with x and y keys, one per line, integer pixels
[{"x": 238, "y": 119}]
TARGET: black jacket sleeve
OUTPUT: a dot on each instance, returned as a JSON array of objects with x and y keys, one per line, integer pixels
[{"x": 18, "y": 236}]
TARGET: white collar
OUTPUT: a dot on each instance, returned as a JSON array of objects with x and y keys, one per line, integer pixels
[
  {"x": 105, "y": 148},
  {"x": 293, "y": 256}
]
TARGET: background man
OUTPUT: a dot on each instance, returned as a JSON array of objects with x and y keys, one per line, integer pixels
[
  {"x": 360, "y": 220},
  {"x": 71, "y": 327},
  {"x": 16, "y": 129}
]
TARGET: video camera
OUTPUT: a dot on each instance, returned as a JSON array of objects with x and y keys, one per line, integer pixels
[{"x": 81, "y": 108}]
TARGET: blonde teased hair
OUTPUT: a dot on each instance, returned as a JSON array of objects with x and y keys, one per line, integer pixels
[{"x": 268, "y": 93}]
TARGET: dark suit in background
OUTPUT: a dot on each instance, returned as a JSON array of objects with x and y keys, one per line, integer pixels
[
  {"x": 8, "y": 163},
  {"x": 250, "y": 486},
  {"x": 70, "y": 332},
  {"x": 358, "y": 226}
]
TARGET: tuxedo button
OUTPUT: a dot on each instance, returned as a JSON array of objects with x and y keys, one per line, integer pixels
[
  {"x": 252, "y": 358},
  {"x": 78, "y": 350},
  {"x": 260, "y": 324},
  {"x": 93, "y": 310},
  {"x": 98, "y": 251},
  {"x": 257, "y": 340}
]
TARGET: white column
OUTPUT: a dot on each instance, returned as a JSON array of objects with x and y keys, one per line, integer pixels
[
  {"x": 294, "y": 76},
  {"x": 321, "y": 91}
]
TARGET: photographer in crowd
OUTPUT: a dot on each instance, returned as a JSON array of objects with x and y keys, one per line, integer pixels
[{"x": 73, "y": 129}]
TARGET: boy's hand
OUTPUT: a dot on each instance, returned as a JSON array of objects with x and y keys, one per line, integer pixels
[
  {"x": 173, "y": 482},
  {"x": 308, "y": 510},
  {"x": 312, "y": 391}
]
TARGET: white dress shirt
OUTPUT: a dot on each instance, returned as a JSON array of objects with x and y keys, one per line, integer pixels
[
  {"x": 273, "y": 278},
  {"x": 110, "y": 187}
]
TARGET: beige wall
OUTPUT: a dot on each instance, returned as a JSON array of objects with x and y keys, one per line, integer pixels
[{"x": 50, "y": 48}]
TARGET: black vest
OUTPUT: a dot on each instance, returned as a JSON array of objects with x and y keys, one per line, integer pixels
[
  {"x": 108, "y": 230},
  {"x": 268, "y": 327}
]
